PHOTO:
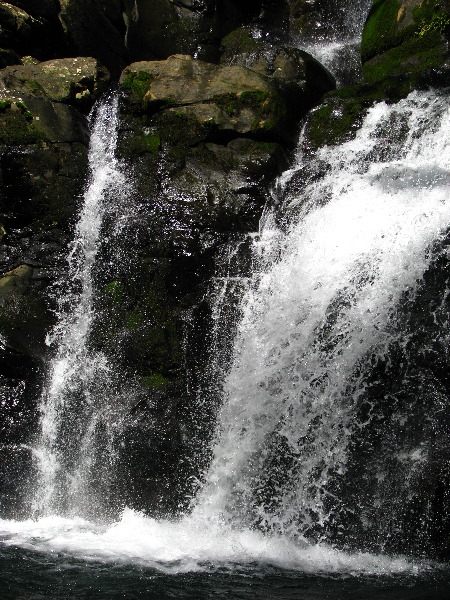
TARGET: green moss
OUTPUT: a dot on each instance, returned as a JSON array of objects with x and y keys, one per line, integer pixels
[
  {"x": 140, "y": 142},
  {"x": 16, "y": 129},
  {"x": 266, "y": 106},
  {"x": 156, "y": 380},
  {"x": 381, "y": 30},
  {"x": 415, "y": 54},
  {"x": 152, "y": 142},
  {"x": 137, "y": 83},
  {"x": 240, "y": 41},
  {"x": 335, "y": 122},
  {"x": 389, "y": 50},
  {"x": 34, "y": 87},
  {"x": 229, "y": 103},
  {"x": 115, "y": 289},
  {"x": 4, "y": 104},
  {"x": 24, "y": 110},
  {"x": 384, "y": 30},
  {"x": 253, "y": 98}
]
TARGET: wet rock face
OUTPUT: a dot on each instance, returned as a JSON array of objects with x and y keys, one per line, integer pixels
[{"x": 31, "y": 28}]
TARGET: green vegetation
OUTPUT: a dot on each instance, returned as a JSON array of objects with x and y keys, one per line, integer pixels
[
  {"x": 438, "y": 22},
  {"x": 141, "y": 142},
  {"x": 133, "y": 320},
  {"x": 24, "y": 110},
  {"x": 266, "y": 106},
  {"x": 335, "y": 122},
  {"x": 152, "y": 143},
  {"x": 381, "y": 30},
  {"x": 16, "y": 129},
  {"x": 390, "y": 49},
  {"x": 34, "y": 87},
  {"x": 240, "y": 41},
  {"x": 416, "y": 54},
  {"x": 4, "y": 104},
  {"x": 137, "y": 83}
]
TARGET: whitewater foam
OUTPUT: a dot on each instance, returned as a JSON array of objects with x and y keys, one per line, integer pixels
[{"x": 191, "y": 545}]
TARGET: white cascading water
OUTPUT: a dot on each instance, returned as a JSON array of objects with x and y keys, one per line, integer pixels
[
  {"x": 338, "y": 50},
  {"x": 71, "y": 404},
  {"x": 319, "y": 315}
]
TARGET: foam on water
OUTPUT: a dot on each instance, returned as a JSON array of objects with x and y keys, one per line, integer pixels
[{"x": 191, "y": 545}]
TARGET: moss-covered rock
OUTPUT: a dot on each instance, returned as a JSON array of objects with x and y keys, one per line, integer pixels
[
  {"x": 78, "y": 81},
  {"x": 199, "y": 98},
  {"x": 340, "y": 115},
  {"x": 16, "y": 124},
  {"x": 228, "y": 98},
  {"x": 241, "y": 46},
  {"x": 405, "y": 37}
]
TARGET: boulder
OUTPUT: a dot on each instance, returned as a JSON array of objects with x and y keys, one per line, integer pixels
[
  {"x": 299, "y": 77},
  {"x": 226, "y": 98},
  {"x": 405, "y": 38},
  {"x": 78, "y": 81}
]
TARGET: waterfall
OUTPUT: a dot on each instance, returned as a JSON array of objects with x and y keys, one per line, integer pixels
[
  {"x": 74, "y": 399},
  {"x": 323, "y": 311},
  {"x": 337, "y": 48},
  {"x": 314, "y": 457}
]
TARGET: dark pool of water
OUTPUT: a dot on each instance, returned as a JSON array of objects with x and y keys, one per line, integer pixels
[{"x": 30, "y": 575}]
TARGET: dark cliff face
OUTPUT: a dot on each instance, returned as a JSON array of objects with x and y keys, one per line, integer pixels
[{"x": 203, "y": 135}]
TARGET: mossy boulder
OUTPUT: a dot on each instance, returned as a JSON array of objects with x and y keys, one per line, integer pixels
[
  {"x": 243, "y": 47},
  {"x": 78, "y": 81},
  {"x": 300, "y": 79},
  {"x": 16, "y": 124},
  {"x": 405, "y": 37},
  {"x": 227, "y": 98},
  {"x": 223, "y": 97}
]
